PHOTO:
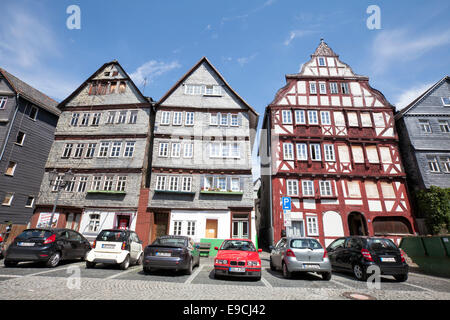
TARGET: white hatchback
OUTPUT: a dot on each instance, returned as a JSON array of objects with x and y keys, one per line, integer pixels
[{"x": 114, "y": 246}]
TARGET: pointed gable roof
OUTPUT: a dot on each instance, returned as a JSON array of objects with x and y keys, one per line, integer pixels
[{"x": 324, "y": 50}]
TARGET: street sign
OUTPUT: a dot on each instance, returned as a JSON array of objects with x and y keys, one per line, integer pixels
[{"x": 287, "y": 203}]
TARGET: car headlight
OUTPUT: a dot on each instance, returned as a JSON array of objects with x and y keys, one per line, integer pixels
[
  {"x": 252, "y": 263},
  {"x": 219, "y": 261}
]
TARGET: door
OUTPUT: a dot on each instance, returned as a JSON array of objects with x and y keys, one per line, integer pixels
[
  {"x": 77, "y": 243},
  {"x": 135, "y": 246},
  {"x": 68, "y": 246},
  {"x": 351, "y": 251},
  {"x": 160, "y": 224},
  {"x": 240, "y": 226},
  {"x": 279, "y": 251},
  {"x": 334, "y": 252},
  {"x": 211, "y": 228}
]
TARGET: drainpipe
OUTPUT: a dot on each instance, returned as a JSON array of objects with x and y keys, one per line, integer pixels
[{"x": 10, "y": 127}]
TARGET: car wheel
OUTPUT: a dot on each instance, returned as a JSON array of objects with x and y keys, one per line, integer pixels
[
  {"x": 147, "y": 270},
  {"x": 54, "y": 259},
  {"x": 272, "y": 266},
  {"x": 125, "y": 264},
  {"x": 215, "y": 275},
  {"x": 401, "y": 277},
  {"x": 189, "y": 269},
  {"x": 10, "y": 264},
  {"x": 90, "y": 265},
  {"x": 286, "y": 273},
  {"x": 359, "y": 272},
  {"x": 326, "y": 276},
  {"x": 139, "y": 261}
]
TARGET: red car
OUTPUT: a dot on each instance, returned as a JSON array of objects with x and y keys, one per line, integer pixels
[{"x": 237, "y": 257}]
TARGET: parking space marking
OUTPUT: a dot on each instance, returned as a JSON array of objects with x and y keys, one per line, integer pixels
[
  {"x": 266, "y": 283},
  {"x": 10, "y": 276},
  {"x": 53, "y": 270},
  {"x": 421, "y": 275},
  {"x": 341, "y": 284},
  {"x": 419, "y": 287},
  {"x": 123, "y": 272},
  {"x": 195, "y": 274}
]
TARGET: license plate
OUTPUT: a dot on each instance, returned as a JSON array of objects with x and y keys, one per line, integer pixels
[
  {"x": 387, "y": 259},
  {"x": 108, "y": 246},
  {"x": 311, "y": 266},
  {"x": 26, "y": 244},
  {"x": 163, "y": 254},
  {"x": 237, "y": 269}
]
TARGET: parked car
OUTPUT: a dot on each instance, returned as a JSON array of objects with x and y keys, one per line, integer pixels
[
  {"x": 46, "y": 245},
  {"x": 116, "y": 246},
  {"x": 298, "y": 254},
  {"x": 171, "y": 252},
  {"x": 1, "y": 247},
  {"x": 237, "y": 257},
  {"x": 357, "y": 253}
]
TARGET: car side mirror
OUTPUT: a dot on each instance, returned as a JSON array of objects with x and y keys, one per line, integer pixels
[
  {"x": 216, "y": 248},
  {"x": 259, "y": 250}
]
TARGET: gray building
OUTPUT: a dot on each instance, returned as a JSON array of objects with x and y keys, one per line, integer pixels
[
  {"x": 201, "y": 182},
  {"x": 103, "y": 137},
  {"x": 424, "y": 133},
  {"x": 27, "y": 123}
]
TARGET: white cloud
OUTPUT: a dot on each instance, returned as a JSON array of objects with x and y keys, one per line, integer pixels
[
  {"x": 151, "y": 70},
  {"x": 244, "y": 60},
  {"x": 297, "y": 34},
  {"x": 409, "y": 95},
  {"x": 400, "y": 46}
]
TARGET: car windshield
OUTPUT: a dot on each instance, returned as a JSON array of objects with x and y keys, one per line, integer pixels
[
  {"x": 34, "y": 234},
  {"x": 170, "y": 242},
  {"x": 382, "y": 244},
  {"x": 239, "y": 245},
  {"x": 112, "y": 236},
  {"x": 305, "y": 244}
]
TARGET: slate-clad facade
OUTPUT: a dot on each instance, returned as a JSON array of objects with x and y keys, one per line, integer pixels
[
  {"x": 27, "y": 123},
  {"x": 103, "y": 136}
]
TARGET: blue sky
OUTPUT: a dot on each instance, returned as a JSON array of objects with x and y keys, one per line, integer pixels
[{"x": 252, "y": 43}]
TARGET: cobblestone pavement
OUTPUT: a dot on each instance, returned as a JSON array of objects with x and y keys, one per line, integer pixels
[{"x": 32, "y": 281}]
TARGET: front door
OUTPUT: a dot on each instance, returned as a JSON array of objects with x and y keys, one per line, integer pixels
[
  {"x": 161, "y": 223},
  {"x": 211, "y": 228}
]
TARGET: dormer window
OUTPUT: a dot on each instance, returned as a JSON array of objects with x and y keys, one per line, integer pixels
[
  {"x": 207, "y": 90},
  {"x": 321, "y": 61},
  {"x": 106, "y": 74},
  {"x": 446, "y": 101}
]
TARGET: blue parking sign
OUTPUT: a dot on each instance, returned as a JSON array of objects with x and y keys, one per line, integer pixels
[{"x": 286, "y": 202}]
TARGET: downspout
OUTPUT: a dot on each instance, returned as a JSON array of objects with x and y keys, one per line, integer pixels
[{"x": 10, "y": 127}]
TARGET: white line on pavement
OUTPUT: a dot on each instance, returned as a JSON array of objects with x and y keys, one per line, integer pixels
[
  {"x": 341, "y": 284},
  {"x": 52, "y": 270},
  {"x": 192, "y": 277},
  {"x": 123, "y": 272},
  {"x": 10, "y": 276},
  {"x": 266, "y": 283},
  {"x": 419, "y": 287},
  {"x": 421, "y": 275}
]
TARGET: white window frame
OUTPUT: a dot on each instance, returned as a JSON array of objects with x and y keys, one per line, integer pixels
[
  {"x": 79, "y": 150},
  {"x": 312, "y": 88},
  {"x": 133, "y": 117},
  {"x": 302, "y": 151},
  {"x": 292, "y": 187},
  {"x": 433, "y": 164},
  {"x": 425, "y": 126},
  {"x": 177, "y": 227},
  {"x": 334, "y": 89},
  {"x": 189, "y": 121},
  {"x": 128, "y": 151},
  {"x": 308, "y": 188},
  {"x": 173, "y": 183},
  {"x": 329, "y": 152},
  {"x": 74, "y": 119},
  {"x": 122, "y": 118},
  {"x": 288, "y": 151},
  {"x": 177, "y": 119},
  {"x": 443, "y": 125},
  {"x": 317, "y": 151},
  {"x": 188, "y": 150},
  {"x": 213, "y": 119},
  {"x": 300, "y": 117},
  {"x": 161, "y": 183},
  {"x": 234, "y": 120},
  {"x": 104, "y": 149},
  {"x": 116, "y": 147},
  {"x": 190, "y": 231},
  {"x": 221, "y": 117},
  {"x": 326, "y": 188},
  {"x": 164, "y": 149},
  {"x": 233, "y": 185},
  {"x": 186, "y": 184},
  {"x": 82, "y": 184},
  {"x": 313, "y": 117},
  {"x": 3, "y": 101},
  {"x": 175, "y": 150},
  {"x": 286, "y": 116},
  {"x": 325, "y": 117},
  {"x": 319, "y": 59},
  {"x": 312, "y": 225},
  {"x": 108, "y": 183},
  {"x": 322, "y": 88},
  {"x": 165, "y": 118},
  {"x": 68, "y": 147},
  {"x": 445, "y": 103},
  {"x": 121, "y": 183}
]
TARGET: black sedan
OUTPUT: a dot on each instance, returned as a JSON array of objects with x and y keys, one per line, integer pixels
[
  {"x": 358, "y": 253},
  {"x": 46, "y": 245},
  {"x": 171, "y": 252}
]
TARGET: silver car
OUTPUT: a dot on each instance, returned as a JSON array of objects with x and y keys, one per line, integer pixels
[{"x": 299, "y": 254}]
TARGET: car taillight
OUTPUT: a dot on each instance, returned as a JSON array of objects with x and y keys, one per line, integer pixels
[
  {"x": 325, "y": 254},
  {"x": 402, "y": 255},
  {"x": 290, "y": 253},
  {"x": 366, "y": 254},
  {"x": 93, "y": 245},
  {"x": 124, "y": 245},
  {"x": 50, "y": 239}
]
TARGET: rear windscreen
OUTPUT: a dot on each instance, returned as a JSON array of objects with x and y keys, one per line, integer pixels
[
  {"x": 171, "y": 242},
  {"x": 382, "y": 244},
  {"x": 114, "y": 236},
  {"x": 305, "y": 244},
  {"x": 34, "y": 234}
]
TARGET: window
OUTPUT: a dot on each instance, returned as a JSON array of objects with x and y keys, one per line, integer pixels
[
  {"x": 177, "y": 118},
  {"x": 323, "y": 88},
  {"x": 30, "y": 202},
  {"x": 193, "y": 89},
  {"x": 94, "y": 222},
  {"x": 122, "y": 117},
  {"x": 325, "y": 188},
  {"x": 111, "y": 116},
  {"x": 191, "y": 228},
  {"x": 300, "y": 117},
  {"x": 161, "y": 183},
  {"x": 302, "y": 153},
  {"x": 67, "y": 150},
  {"x": 217, "y": 90},
  {"x": 115, "y": 149},
  {"x": 79, "y": 150},
  {"x": 312, "y": 117},
  {"x": 173, "y": 183},
  {"x": 121, "y": 182},
  {"x": 213, "y": 119},
  {"x": 235, "y": 150},
  {"x": 7, "y": 200},
  {"x": 133, "y": 117},
  {"x": 165, "y": 118},
  {"x": 90, "y": 150},
  {"x": 222, "y": 184},
  {"x": 314, "y": 149},
  {"x": 96, "y": 119},
  {"x": 425, "y": 126},
  {"x": 445, "y": 162},
  {"x": 334, "y": 88},
  {"x": 223, "y": 119},
  {"x": 3, "y": 101},
  {"x": 176, "y": 150},
  {"x": 234, "y": 120},
  {"x": 11, "y": 168},
  {"x": 312, "y": 88},
  {"x": 288, "y": 152},
  {"x": 329, "y": 152},
  {"x": 108, "y": 184},
  {"x": 71, "y": 185},
  {"x": 433, "y": 164},
  {"x": 189, "y": 119},
  {"x": 446, "y": 101},
  {"x": 344, "y": 88},
  {"x": 286, "y": 116},
  {"x": 85, "y": 119},
  {"x": 307, "y": 188},
  {"x": 129, "y": 149},
  {"x": 214, "y": 150},
  {"x": 186, "y": 184},
  {"x": 208, "y": 183},
  {"x": 188, "y": 150},
  {"x": 325, "y": 117},
  {"x": 163, "y": 149},
  {"x": 122, "y": 87},
  {"x": 82, "y": 184},
  {"x": 96, "y": 183},
  {"x": 177, "y": 228},
  {"x": 33, "y": 113},
  {"x": 292, "y": 187},
  {"x": 104, "y": 148},
  {"x": 321, "y": 61},
  {"x": 112, "y": 87},
  {"x": 235, "y": 184},
  {"x": 225, "y": 150},
  {"x": 20, "y": 138},
  {"x": 57, "y": 183},
  {"x": 74, "y": 120},
  {"x": 312, "y": 226},
  {"x": 443, "y": 125}
]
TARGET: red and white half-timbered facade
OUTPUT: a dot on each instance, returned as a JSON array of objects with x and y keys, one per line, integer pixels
[{"x": 333, "y": 149}]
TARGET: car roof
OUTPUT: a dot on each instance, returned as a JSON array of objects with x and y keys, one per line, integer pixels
[{"x": 238, "y": 239}]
